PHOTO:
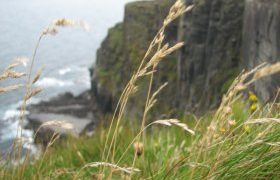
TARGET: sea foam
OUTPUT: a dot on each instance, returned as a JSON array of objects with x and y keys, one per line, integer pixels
[{"x": 53, "y": 82}]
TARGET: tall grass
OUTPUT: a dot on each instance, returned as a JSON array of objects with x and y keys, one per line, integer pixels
[
  {"x": 235, "y": 141},
  {"x": 15, "y": 156}
]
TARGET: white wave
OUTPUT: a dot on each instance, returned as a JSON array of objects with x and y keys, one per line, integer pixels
[
  {"x": 52, "y": 82},
  {"x": 31, "y": 101},
  {"x": 64, "y": 71},
  {"x": 11, "y": 113},
  {"x": 14, "y": 111},
  {"x": 9, "y": 134},
  {"x": 10, "y": 131},
  {"x": 84, "y": 82}
]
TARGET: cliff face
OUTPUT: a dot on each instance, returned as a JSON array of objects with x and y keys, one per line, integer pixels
[
  {"x": 261, "y": 41},
  {"x": 124, "y": 47},
  {"x": 222, "y": 37},
  {"x": 209, "y": 60}
]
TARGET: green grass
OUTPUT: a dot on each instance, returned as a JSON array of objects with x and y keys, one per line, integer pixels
[
  {"x": 171, "y": 153},
  {"x": 161, "y": 142}
]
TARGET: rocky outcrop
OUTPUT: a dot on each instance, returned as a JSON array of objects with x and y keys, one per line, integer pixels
[
  {"x": 221, "y": 38},
  {"x": 79, "y": 111},
  {"x": 261, "y": 42}
]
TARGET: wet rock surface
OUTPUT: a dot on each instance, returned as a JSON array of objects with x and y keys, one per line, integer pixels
[{"x": 80, "y": 111}]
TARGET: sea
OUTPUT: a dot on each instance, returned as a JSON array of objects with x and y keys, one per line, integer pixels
[{"x": 65, "y": 58}]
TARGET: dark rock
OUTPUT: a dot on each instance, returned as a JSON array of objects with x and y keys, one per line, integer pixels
[
  {"x": 80, "y": 111},
  {"x": 261, "y": 42},
  {"x": 81, "y": 106},
  {"x": 213, "y": 35},
  {"x": 45, "y": 134}
]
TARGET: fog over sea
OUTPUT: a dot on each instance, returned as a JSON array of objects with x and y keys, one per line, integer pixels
[{"x": 65, "y": 58}]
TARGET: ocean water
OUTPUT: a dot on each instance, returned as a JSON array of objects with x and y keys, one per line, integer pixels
[{"x": 65, "y": 58}]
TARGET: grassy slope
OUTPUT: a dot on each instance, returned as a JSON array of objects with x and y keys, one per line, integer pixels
[{"x": 172, "y": 153}]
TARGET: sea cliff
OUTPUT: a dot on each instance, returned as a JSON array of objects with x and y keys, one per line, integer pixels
[{"x": 221, "y": 39}]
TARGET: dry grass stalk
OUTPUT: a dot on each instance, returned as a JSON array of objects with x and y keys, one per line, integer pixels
[
  {"x": 37, "y": 76},
  {"x": 10, "y": 88},
  {"x": 174, "y": 122},
  {"x": 222, "y": 118},
  {"x": 128, "y": 170},
  {"x": 55, "y": 137},
  {"x": 33, "y": 93},
  {"x": 11, "y": 74},
  {"x": 12, "y": 66},
  {"x": 267, "y": 71},
  {"x": 145, "y": 73},
  {"x": 62, "y": 124},
  {"x": 277, "y": 144},
  {"x": 273, "y": 144},
  {"x": 60, "y": 172},
  {"x": 175, "y": 11},
  {"x": 263, "y": 120},
  {"x": 152, "y": 101},
  {"x": 224, "y": 110},
  {"x": 163, "y": 52},
  {"x": 168, "y": 122},
  {"x": 18, "y": 61},
  {"x": 146, "y": 67},
  {"x": 159, "y": 90},
  {"x": 52, "y": 29},
  {"x": 71, "y": 23}
]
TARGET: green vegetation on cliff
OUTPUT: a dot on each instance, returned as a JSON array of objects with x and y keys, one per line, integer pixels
[
  {"x": 197, "y": 74},
  {"x": 126, "y": 44}
]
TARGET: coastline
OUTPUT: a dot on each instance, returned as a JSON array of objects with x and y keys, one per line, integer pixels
[{"x": 81, "y": 111}]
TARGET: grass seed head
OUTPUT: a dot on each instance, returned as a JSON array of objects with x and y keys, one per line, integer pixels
[
  {"x": 33, "y": 93},
  {"x": 10, "y": 88},
  {"x": 62, "y": 124},
  {"x": 232, "y": 122},
  {"x": 138, "y": 148},
  {"x": 267, "y": 71}
]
